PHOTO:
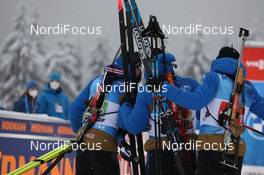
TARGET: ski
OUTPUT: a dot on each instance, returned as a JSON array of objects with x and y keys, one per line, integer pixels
[
  {"x": 60, "y": 151},
  {"x": 139, "y": 27},
  {"x": 126, "y": 61},
  {"x": 129, "y": 19},
  {"x": 143, "y": 43}
]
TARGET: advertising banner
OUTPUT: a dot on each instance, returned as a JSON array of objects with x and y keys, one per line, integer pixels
[
  {"x": 253, "y": 58},
  {"x": 24, "y": 137}
]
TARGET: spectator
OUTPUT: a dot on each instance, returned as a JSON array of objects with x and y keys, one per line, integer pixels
[
  {"x": 27, "y": 101},
  {"x": 52, "y": 101}
]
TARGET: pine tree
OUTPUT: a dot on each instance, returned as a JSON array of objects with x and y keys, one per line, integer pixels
[
  {"x": 21, "y": 57},
  {"x": 196, "y": 58},
  {"x": 99, "y": 57},
  {"x": 66, "y": 59},
  {"x": 256, "y": 34}
]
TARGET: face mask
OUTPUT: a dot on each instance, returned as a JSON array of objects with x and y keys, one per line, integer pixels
[
  {"x": 54, "y": 85},
  {"x": 33, "y": 93}
]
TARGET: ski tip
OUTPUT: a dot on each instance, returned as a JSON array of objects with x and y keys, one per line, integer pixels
[{"x": 120, "y": 5}]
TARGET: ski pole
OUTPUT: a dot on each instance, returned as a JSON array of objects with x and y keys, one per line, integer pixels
[{"x": 154, "y": 32}]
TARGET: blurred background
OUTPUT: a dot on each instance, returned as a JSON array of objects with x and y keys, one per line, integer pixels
[{"x": 79, "y": 57}]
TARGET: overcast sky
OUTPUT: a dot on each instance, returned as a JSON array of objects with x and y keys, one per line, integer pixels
[{"x": 103, "y": 13}]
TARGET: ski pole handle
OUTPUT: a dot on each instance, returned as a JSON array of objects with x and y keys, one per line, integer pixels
[{"x": 243, "y": 32}]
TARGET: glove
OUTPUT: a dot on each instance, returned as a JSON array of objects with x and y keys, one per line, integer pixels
[
  {"x": 125, "y": 151},
  {"x": 123, "y": 145}
]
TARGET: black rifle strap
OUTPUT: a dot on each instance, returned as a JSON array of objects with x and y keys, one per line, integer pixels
[{"x": 53, "y": 164}]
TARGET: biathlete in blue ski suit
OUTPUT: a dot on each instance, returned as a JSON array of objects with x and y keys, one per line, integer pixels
[
  {"x": 209, "y": 98},
  {"x": 141, "y": 118},
  {"x": 99, "y": 157}
]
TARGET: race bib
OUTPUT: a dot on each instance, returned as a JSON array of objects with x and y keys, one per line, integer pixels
[
  {"x": 111, "y": 111},
  {"x": 58, "y": 108}
]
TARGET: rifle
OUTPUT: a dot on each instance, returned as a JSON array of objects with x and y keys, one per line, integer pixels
[{"x": 232, "y": 118}]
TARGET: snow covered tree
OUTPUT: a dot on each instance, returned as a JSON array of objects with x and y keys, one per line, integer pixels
[
  {"x": 100, "y": 56},
  {"x": 256, "y": 34},
  {"x": 66, "y": 58},
  {"x": 21, "y": 57},
  {"x": 196, "y": 60}
]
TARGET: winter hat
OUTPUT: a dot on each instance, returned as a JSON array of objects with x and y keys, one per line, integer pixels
[
  {"x": 228, "y": 52},
  {"x": 54, "y": 76},
  {"x": 31, "y": 84}
]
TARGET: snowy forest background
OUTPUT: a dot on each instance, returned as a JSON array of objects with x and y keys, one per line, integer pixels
[{"x": 26, "y": 57}]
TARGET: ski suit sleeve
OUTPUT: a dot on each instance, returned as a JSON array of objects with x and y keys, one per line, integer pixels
[
  {"x": 77, "y": 108},
  {"x": 193, "y": 84},
  {"x": 196, "y": 99},
  {"x": 135, "y": 120},
  {"x": 41, "y": 104},
  {"x": 257, "y": 106},
  {"x": 181, "y": 81}
]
